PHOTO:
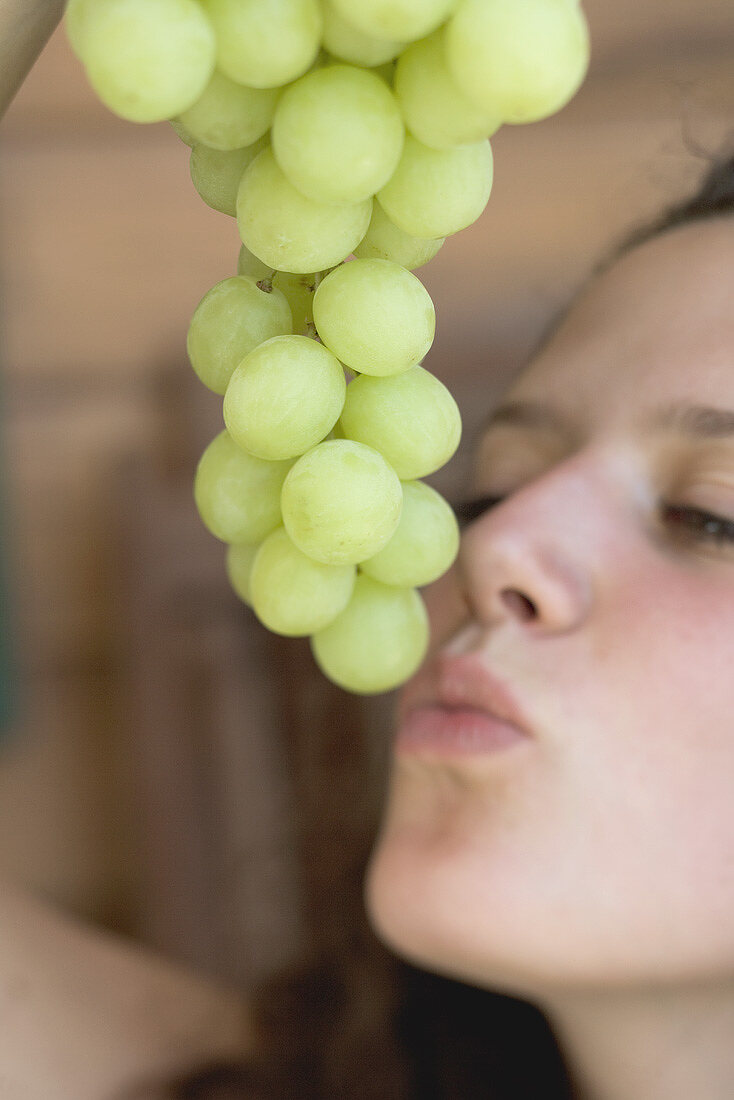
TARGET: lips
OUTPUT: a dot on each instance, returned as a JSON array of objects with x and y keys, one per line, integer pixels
[{"x": 461, "y": 683}]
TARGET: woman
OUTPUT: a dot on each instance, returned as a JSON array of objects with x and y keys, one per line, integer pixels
[
  {"x": 587, "y": 866},
  {"x": 581, "y": 875}
]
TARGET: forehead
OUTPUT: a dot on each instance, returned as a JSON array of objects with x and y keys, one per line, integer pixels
[{"x": 657, "y": 326}]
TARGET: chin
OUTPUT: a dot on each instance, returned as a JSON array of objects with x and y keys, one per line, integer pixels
[
  {"x": 426, "y": 909},
  {"x": 455, "y": 902}
]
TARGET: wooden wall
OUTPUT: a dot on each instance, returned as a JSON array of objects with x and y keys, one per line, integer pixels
[{"x": 105, "y": 250}]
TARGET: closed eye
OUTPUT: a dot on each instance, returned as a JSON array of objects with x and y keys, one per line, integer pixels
[
  {"x": 691, "y": 523},
  {"x": 698, "y": 525},
  {"x": 470, "y": 510}
]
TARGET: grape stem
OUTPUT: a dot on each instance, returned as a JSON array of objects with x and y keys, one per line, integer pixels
[
  {"x": 318, "y": 278},
  {"x": 322, "y": 274}
]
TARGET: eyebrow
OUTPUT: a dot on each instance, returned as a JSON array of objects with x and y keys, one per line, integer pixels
[{"x": 694, "y": 421}]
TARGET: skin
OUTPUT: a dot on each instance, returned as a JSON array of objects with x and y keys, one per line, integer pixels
[
  {"x": 591, "y": 869},
  {"x": 86, "y": 1014},
  {"x": 25, "y": 27}
]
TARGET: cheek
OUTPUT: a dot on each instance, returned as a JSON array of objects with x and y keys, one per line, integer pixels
[
  {"x": 676, "y": 652},
  {"x": 609, "y": 855},
  {"x": 671, "y": 634},
  {"x": 649, "y": 767}
]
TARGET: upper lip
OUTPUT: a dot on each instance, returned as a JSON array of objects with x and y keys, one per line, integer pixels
[{"x": 467, "y": 682}]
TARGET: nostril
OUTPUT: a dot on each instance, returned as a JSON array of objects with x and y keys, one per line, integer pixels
[{"x": 519, "y": 604}]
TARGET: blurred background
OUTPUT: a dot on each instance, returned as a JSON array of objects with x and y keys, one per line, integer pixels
[{"x": 156, "y": 774}]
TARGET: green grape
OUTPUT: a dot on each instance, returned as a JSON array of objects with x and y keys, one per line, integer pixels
[
  {"x": 147, "y": 60},
  {"x": 230, "y": 321},
  {"x": 344, "y": 41},
  {"x": 338, "y": 134},
  {"x": 522, "y": 60},
  {"x": 425, "y": 544},
  {"x": 375, "y": 316},
  {"x": 410, "y": 418},
  {"x": 378, "y": 641},
  {"x": 240, "y": 559},
  {"x": 299, "y": 291},
  {"x": 404, "y": 20},
  {"x": 290, "y": 232},
  {"x": 247, "y": 264},
  {"x": 341, "y": 502},
  {"x": 435, "y": 109},
  {"x": 384, "y": 241},
  {"x": 216, "y": 174},
  {"x": 74, "y": 17},
  {"x": 284, "y": 397},
  {"x": 435, "y": 193},
  {"x": 230, "y": 116},
  {"x": 183, "y": 133},
  {"x": 293, "y": 594},
  {"x": 265, "y": 43},
  {"x": 236, "y": 494}
]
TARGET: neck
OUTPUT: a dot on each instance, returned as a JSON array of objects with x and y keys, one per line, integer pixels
[{"x": 663, "y": 1044}]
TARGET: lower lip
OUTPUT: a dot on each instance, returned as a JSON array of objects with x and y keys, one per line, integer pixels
[{"x": 455, "y": 732}]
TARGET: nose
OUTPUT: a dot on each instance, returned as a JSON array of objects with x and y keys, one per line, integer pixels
[{"x": 533, "y": 560}]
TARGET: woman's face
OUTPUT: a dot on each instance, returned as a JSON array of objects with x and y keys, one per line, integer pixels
[{"x": 600, "y": 849}]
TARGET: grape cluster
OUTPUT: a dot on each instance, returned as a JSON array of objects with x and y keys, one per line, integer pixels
[{"x": 348, "y": 138}]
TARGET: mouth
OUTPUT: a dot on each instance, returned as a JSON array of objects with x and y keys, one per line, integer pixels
[{"x": 458, "y": 707}]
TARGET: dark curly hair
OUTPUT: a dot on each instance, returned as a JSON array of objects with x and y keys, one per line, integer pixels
[{"x": 355, "y": 1023}]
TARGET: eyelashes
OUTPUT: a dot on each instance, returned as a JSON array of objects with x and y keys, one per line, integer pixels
[
  {"x": 686, "y": 522},
  {"x": 701, "y": 526},
  {"x": 470, "y": 510}
]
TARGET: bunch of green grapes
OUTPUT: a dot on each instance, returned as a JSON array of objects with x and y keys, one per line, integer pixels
[{"x": 349, "y": 139}]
